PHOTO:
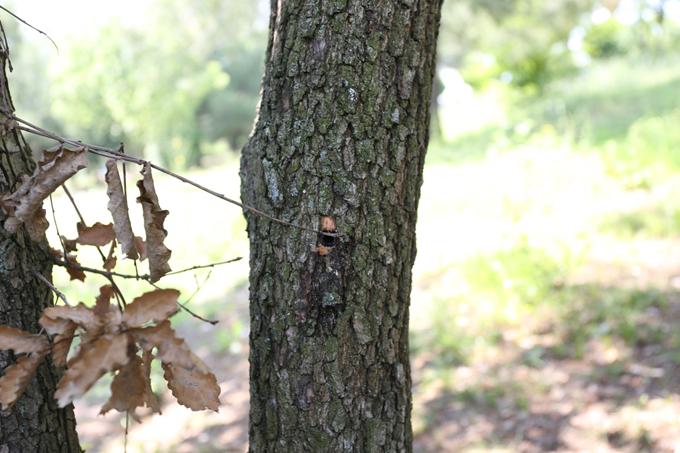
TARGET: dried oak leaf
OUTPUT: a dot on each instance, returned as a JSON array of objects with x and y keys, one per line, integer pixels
[
  {"x": 54, "y": 319},
  {"x": 62, "y": 344},
  {"x": 111, "y": 260},
  {"x": 193, "y": 387},
  {"x": 171, "y": 349},
  {"x": 128, "y": 388},
  {"x": 24, "y": 205},
  {"x": 106, "y": 353},
  {"x": 103, "y": 301},
  {"x": 153, "y": 306},
  {"x": 119, "y": 210},
  {"x": 154, "y": 217},
  {"x": 36, "y": 225},
  {"x": 140, "y": 245},
  {"x": 149, "y": 396},
  {"x": 21, "y": 342},
  {"x": 73, "y": 268},
  {"x": 16, "y": 378},
  {"x": 70, "y": 245},
  {"x": 98, "y": 234}
]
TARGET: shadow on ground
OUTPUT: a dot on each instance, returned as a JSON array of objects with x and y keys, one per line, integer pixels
[{"x": 601, "y": 376}]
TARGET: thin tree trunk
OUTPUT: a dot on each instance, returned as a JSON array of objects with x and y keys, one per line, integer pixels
[
  {"x": 35, "y": 423},
  {"x": 342, "y": 132}
]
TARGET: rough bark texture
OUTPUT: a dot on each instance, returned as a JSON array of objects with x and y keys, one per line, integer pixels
[
  {"x": 342, "y": 132},
  {"x": 35, "y": 423}
]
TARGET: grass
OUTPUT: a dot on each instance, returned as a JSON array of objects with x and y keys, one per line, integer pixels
[{"x": 654, "y": 222}]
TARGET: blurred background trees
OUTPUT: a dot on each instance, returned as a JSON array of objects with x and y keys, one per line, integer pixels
[{"x": 171, "y": 85}]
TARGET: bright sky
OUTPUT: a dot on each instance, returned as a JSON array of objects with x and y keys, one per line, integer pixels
[{"x": 62, "y": 18}]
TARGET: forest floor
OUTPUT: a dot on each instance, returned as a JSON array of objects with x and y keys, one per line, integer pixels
[{"x": 539, "y": 326}]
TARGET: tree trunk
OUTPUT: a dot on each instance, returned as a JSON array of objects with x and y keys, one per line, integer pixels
[
  {"x": 342, "y": 132},
  {"x": 35, "y": 423}
]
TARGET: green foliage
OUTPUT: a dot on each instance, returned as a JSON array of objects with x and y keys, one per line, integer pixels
[
  {"x": 173, "y": 89},
  {"x": 526, "y": 38},
  {"x": 606, "y": 39},
  {"x": 151, "y": 105},
  {"x": 655, "y": 222}
]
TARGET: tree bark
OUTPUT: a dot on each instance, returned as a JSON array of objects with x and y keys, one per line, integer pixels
[
  {"x": 342, "y": 132},
  {"x": 35, "y": 423}
]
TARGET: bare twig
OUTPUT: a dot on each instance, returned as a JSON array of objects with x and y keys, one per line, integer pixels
[
  {"x": 145, "y": 277},
  {"x": 99, "y": 271},
  {"x": 197, "y": 316},
  {"x": 52, "y": 287},
  {"x": 183, "y": 306},
  {"x": 115, "y": 154},
  {"x": 204, "y": 266},
  {"x": 56, "y": 227},
  {"x": 73, "y": 202},
  {"x": 199, "y": 286},
  {"x": 29, "y": 25},
  {"x": 127, "y": 425}
]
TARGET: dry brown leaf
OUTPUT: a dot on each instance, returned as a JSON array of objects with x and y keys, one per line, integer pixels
[
  {"x": 193, "y": 388},
  {"x": 128, "y": 388},
  {"x": 103, "y": 301},
  {"x": 36, "y": 225},
  {"x": 16, "y": 378},
  {"x": 110, "y": 263},
  {"x": 106, "y": 353},
  {"x": 25, "y": 204},
  {"x": 98, "y": 234},
  {"x": 54, "y": 326},
  {"x": 70, "y": 245},
  {"x": 149, "y": 397},
  {"x": 73, "y": 268},
  {"x": 53, "y": 318},
  {"x": 153, "y": 306},
  {"x": 154, "y": 217},
  {"x": 171, "y": 349},
  {"x": 62, "y": 344},
  {"x": 21, "y": 342},
  {"x": 140, "y": 245},
  {"x": 111, "y": 260},
  {"x": 119, "y": 210}
]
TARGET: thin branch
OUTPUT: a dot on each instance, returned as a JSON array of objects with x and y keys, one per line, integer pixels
[
  {"x": 29, "y": 25},
  {"x": 144, "y": 277},
  {"x": 52, "y": 287},
  {"x": 56, "y": 227},
  {"x": 204, "y": 266},
  {"x": 197, "y": 316},
  {"x": 107, "y": 274},
  {"x": 183, "y": 306},
  {"x": 127, "y": 425},
  {"x": 115, "y": 154},
  {"x": 73, "y": 202}
]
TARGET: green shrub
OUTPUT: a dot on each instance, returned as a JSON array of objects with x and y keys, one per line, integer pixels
[{"x": 606, "y": 39}]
